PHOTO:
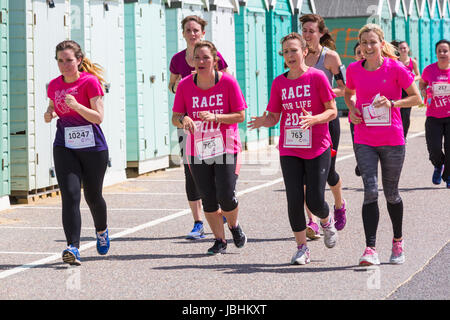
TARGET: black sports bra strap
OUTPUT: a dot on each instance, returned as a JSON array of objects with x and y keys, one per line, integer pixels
[{"x": 216, "y": 77}]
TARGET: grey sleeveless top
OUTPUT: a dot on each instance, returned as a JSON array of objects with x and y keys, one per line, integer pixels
[{"x": 321, "y": 66}]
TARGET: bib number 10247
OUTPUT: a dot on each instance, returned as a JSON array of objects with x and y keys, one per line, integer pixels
[{"x": 79, "y": 137}]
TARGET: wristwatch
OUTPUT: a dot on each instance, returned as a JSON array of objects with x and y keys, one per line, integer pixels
[{"x": 392, "y": 103}]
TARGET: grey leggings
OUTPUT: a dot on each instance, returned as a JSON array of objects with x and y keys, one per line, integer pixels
[{"x": 391, "y": 159}]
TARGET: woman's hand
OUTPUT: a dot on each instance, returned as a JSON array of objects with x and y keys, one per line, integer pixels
[
  {"x": 382, "y": 101},
  {"x": 257, "y": 122},
  {"x": 72, "y": 102},
  {"x": 355, "y": 116},
  {"x": 207, "y": 116},
  {"x": 308, "y": 120},
  {"x": 188, "y": 125}
]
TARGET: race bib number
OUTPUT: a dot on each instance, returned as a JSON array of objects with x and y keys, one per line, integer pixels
[
  {"x": 79, "y": 137},
  {"x": 376, "y": 116},
  {"x": 295, "y": 137},
  {"x": 210, "y": 147},
  {"x": 441, "y": 89}
]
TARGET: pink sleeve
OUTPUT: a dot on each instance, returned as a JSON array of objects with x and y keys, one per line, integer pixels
[
  {"x": 236, "y": 97},
  {"x": 94, "y": 88},
  {"x": 179, "y": 105},
  {"x": 404, "y": 77},
  {"x": 348, "y": 78},
  {"x": 274, "y": 104},
  {"x": 323, "y": 86}
]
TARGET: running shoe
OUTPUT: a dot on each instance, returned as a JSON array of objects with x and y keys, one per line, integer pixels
[
  {"x": 398, "y": 254},
  {"x": 437, "y": 175},
  {"x": 369, "y": 257},
  {"x": 340, "y": 217},
  {"x": 330, "y": 233},
  {"x": 71, "y": 256},
  {"x": 448, "y": 182},
  {"x": 102, "y": 242},
  {"x": 218, "y": 247},
  {"x": 239, "y": 237},
  {"x": 312, "y": 230},
  {"x": 197, "y": 232},
  {"x": 301, "y": 256}
]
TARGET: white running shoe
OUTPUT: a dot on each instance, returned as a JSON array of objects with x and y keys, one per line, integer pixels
[
  {"x": 369, "y": 257},
  {"x": 301, "y": 256}
]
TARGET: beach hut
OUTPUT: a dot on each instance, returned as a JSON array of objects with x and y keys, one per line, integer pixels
[
  {"x": 175, "y": 13},
  {"x": 220, "y": 29},
  {"x": 35, "y": 28},
  {"x": 279, "y": 23},
  {"x": 435, "y": 32},
  {"x": 424, "y": 34},
  {"x": 412, "y": 28},
  {"x": 445, "y": 20},
  {"x": 105, "y": 22},
  {"x": 301, "y": 7},
  {"x": 4, "y": 103},
  {"x": 399, "y": 19},
  {"x": 147, "y": 118},
  {"x": 251, "y": 66},
  {"x": 344, "y": 22}
]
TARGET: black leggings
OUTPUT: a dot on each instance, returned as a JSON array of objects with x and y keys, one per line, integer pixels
[
  {"x": 335, "y": 133},
  {"x": 72, "y": 168},
  {"x": 216, "y": 180},
  {"x": 437, "y": 129},
  {"x": 192, "y": 192},
  {"x": 316, "y": 172}
]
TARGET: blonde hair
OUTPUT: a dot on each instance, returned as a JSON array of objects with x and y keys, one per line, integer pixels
[
  {"x": 86, "y": 65},
  {"x": 388, "y": 49}
]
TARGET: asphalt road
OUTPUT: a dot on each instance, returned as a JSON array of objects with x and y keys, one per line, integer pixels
[{"x": 150, "y": 259}]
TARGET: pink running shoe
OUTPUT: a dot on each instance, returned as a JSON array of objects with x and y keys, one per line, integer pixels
[
  {"x": 340, "y": 217},
  {"x": 398, "y": 255},
  {"x": 312, "y": 230},
  {"x": 369, "y": 257}
]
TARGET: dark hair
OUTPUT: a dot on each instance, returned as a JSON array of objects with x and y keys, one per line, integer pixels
[
  {"x": 211, "y": 46},
  {"x": 442, "y": 42},
  {"x": 197, "y": 19},
  {"x": 293, "y": 36},
  {"x": 326, "y": 40},
  {"x": 86, "y": 64}
]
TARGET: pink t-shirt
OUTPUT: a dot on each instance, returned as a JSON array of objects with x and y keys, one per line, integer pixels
[
  {"x": 211, "y": 138},
  {"x": 289, "y": 97},
  {"x": 438, "y": 91},
  {"x": 87, "y": 86},
  {"x": 380, "y": 126}
]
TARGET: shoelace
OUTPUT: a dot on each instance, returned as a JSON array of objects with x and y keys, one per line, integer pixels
[
  {"x": 369, "y": 251},
  {"x": 102, "y": 239},
  {"x": 397, "y": 247}
]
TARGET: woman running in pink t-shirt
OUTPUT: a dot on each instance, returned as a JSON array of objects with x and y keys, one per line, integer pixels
[
  {"x": 379, "y": 132},
  {"x": 435, "y": 87},
  {"x": 208, "y": 106},
  {"x": 412, "y": 66},
  {"x": 80, "y": 150},
  {"x": 304, "y": 100},
  {"x": 181, "y": 66},
  {"x": 322, "y": 56}
]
